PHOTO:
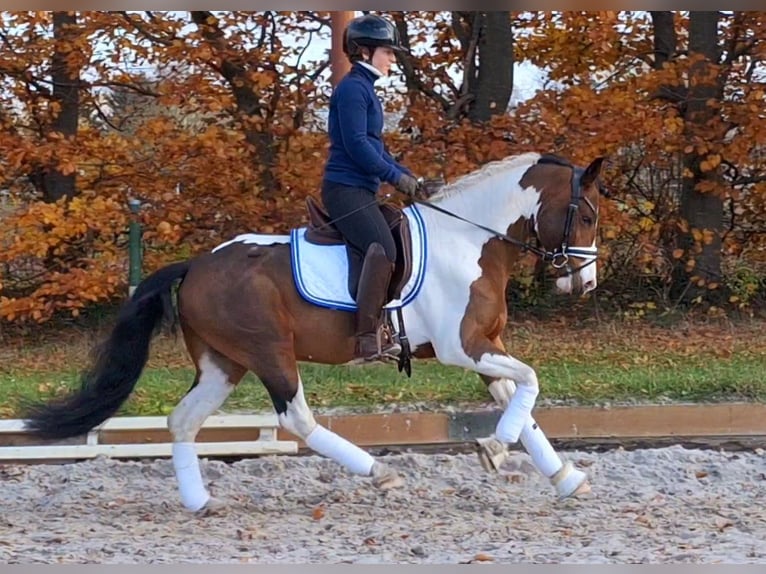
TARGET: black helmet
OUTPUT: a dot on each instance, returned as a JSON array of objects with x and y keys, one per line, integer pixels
[{"x": 372, "y": 31}]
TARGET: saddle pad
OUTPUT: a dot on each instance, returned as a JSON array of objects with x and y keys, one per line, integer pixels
[{"x": 321, "y": 271}]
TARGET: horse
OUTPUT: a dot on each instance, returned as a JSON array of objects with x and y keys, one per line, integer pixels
[{"x": 265, "y": 302}]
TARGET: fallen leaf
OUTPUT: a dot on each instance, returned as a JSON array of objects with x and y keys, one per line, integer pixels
[
  {"x": 700, "y": 474},
  {"x": 645, "y": 520},
  {"x": 483, "y": 558},
  {"x": 722, "y": 523},
  {"x": 244, "y": 534},
  {"x": 318, "y": 513}
]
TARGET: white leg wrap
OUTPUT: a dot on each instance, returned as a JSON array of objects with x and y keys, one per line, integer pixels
[
  {"x": 540, "y": 450},
  {"x": 514, "y": 418},
  {"x": 568, "y": 481},
  {"x": 194, "y": 496},
  {"x": 345, "y": 453}
]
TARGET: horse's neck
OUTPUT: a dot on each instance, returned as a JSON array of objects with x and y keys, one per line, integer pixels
[{"x": 497, "y": 201}]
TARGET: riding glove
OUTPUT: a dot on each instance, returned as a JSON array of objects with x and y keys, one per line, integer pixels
[{"x": 408, "y": 184}]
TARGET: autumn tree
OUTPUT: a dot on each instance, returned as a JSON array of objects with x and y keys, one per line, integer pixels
[
  {"x": 660, "y": 96},
  {"x": 214, "y": 121},
  {"x": 198, "y": 180},
  {"x": 484, "y": 54}
]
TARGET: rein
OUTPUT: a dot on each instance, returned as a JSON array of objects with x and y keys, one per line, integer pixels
[
  {"x": 545, "y": 255},
  {"x": 559, "y": 258}
]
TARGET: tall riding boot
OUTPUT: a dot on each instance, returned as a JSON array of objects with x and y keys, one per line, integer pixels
[{"x": 373, "y": 339}]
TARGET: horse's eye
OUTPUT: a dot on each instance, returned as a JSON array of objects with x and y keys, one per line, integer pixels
[{"x": 587, "y": 220}]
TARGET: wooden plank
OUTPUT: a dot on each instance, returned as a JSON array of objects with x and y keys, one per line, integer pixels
[
  {"x": 156, "y": 422},
  {"x": 163, "y": 435},
  {"x": 640, "y": 422},
  {"x": 61, "y": 452},
  {"x": 699, "y": 420},
  {"x": 376, "y": 429}
]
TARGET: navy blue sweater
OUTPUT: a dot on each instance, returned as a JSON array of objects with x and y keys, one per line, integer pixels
[{"x": 357, "y": 156}]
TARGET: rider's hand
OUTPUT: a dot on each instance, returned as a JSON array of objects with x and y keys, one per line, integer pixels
[{"x": 408, "y": 184}]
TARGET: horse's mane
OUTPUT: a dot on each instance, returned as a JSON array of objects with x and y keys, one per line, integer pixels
[{"x": 484, "y": 173}]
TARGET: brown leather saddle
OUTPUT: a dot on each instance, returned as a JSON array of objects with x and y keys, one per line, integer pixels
[{"x": 321, "y": 231}]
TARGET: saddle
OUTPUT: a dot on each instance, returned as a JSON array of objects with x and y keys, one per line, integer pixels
[{"x": 321, "y": 231}]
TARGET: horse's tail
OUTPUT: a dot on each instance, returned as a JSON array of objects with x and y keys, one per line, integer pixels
[{"x": 117, "y": 364}]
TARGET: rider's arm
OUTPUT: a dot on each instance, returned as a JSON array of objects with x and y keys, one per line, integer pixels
[{"x": 352, "y": 116}]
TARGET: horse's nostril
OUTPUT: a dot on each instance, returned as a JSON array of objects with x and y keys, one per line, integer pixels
[{"x": 589, "y": 285}]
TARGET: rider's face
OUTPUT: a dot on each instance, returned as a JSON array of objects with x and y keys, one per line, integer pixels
[{"x": 382, "y": 59}]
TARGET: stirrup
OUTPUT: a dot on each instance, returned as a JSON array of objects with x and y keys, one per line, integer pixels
[
  {"x": 386, "y": 348},
  {"x": 383, "y": 336}
]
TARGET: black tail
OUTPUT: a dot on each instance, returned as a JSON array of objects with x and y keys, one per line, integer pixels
[{"x": 117, "y": 365}]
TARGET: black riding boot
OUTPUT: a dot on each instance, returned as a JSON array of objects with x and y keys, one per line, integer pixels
[{"x": 373, "y": 339}]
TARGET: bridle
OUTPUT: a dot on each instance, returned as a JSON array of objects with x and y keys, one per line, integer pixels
[
  {"x": 559, "y": 257},
  {"x": 565, "y": 251}
]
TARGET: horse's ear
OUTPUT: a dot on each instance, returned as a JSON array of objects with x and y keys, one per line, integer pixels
[{"x": 592, "y": 171}]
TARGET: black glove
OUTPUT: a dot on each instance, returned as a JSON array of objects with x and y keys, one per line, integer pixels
[{"x": 408, "y": 184}]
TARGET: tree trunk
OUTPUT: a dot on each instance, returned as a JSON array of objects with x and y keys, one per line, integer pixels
[
  {"x": 665, "y": 38},
  {"x": 486, "y": 42},
  {"x": 66, "y": 78},
  {"x": 494, "y": 77},
  {"x": 703, "y": 210},
  {"x": 340, "y": 64}
]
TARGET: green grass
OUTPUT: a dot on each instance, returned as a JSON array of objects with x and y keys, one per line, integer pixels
[{"x": 600, "y": 378}]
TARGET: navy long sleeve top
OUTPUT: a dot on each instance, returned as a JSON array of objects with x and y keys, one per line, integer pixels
[{"x": 357, "y": 155}]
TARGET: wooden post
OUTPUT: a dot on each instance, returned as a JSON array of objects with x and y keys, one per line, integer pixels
[{"x": 339, "y": 64}]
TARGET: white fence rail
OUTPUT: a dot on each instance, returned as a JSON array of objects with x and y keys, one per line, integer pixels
[{"x": 264, "y": 427}]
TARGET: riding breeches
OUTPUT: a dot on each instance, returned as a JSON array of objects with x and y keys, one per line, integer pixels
[{"x": 359, "y": 217}]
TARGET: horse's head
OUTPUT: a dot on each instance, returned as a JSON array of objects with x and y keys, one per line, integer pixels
[{"x": 567, "y": 218}]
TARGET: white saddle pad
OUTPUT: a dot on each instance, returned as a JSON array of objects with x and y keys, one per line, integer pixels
[{"x": 321, "y": 271}]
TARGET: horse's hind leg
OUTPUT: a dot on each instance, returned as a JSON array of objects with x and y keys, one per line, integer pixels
[
  {"x": 279, "y": 374},
  {"x": 567, "y": 480},
  {"x": 216, "y": 377}
]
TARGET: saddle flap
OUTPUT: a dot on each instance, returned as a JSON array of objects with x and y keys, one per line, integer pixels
[
  {"x": 321, "y": 231},
  {"x": 322, "y": 273}
]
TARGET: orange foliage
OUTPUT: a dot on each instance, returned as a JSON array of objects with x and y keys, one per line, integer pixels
[{"x": 208, "y": 163}]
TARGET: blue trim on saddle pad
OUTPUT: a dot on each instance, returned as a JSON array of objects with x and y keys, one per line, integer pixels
[{"x": 320, "y": 272}]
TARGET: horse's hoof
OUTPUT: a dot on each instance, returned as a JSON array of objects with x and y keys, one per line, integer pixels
[
  {"x": 492, "y": 453},
  {"x": 212, "y": 507},
  {"x": 570, "y": 482},
  {"x": 385, "y": 478}
]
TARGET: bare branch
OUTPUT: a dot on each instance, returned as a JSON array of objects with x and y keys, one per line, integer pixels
[
  {"x": 141, "y": 29},
  {"x": 749, "y": 180},
  {"x": 406, "y": 61},
  {"x": 104, "y": 117},
  {"x": 469, "y": 61}
]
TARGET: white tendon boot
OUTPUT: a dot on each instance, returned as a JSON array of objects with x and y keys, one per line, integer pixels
[{"x": 570, "y": 482}]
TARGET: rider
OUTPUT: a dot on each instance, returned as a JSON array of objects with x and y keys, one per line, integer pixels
[{"x": 357, "y": 163}]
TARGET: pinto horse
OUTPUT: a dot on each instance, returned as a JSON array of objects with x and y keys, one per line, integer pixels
[{"x": 265, "y": 302}]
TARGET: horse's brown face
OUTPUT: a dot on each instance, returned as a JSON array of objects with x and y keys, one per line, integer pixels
[{"x": 567, "y": 222}]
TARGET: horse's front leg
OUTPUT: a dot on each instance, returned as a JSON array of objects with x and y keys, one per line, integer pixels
[
  {"x": 567, "y": 480},
  {"x": 488, "y": 357},
  {"x": 491, "y": 360}
]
